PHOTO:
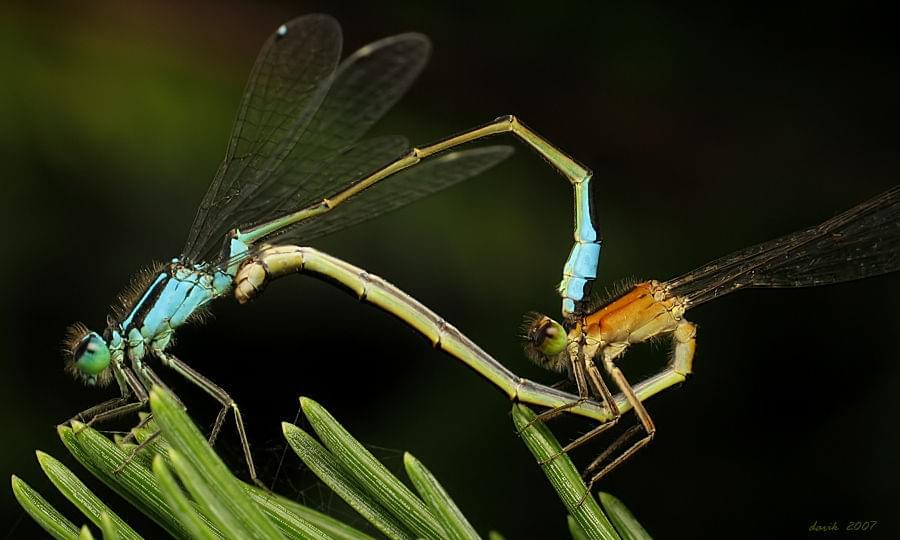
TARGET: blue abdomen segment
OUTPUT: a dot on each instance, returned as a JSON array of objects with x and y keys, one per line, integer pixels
[
  {"x": 580, "y": 269},
  {"x": 578, "y": 274}
]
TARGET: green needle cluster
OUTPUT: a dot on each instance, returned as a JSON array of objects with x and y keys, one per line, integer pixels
[{"x": 179, "y": 482}]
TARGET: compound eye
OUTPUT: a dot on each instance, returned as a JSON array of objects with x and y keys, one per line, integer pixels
[
  {"x": 91, "y": 356},
  {"x": 547, "y": 336}
]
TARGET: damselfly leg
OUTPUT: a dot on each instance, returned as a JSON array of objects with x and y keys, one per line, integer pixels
[
  {"x": 297, "y": 150},
  {"x": 861, "y": 242}
]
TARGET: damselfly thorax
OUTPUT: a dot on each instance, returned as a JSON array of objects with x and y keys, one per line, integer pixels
[
  {"x": 645, "y": 312},
  {"x": 174, "y": 297}
]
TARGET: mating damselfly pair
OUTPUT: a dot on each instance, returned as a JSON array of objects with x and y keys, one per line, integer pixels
[{"x": 297, "y": 167}]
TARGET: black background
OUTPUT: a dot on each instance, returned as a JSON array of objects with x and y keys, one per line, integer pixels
[{"x": 708, "y": 130}]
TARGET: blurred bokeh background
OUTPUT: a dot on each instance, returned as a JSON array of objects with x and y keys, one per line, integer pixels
[{"x": 707, "y": 131}]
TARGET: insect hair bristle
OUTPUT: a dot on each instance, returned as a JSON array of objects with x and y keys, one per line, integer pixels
[
  {"x": 528, "y": 320},
  {"x": 200, "y": 316},
  {"x": 72, "y": 338},
  {"x": 126, "y": 299},
  {"x": 600, "y": 298}
]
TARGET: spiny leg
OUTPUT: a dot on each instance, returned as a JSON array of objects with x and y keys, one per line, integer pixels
[
  {"x": 130, "y": 388},
  {"x": 217, "y": 425},
  {"x": 149, "y": 378},
  {"x": 222, "y": 397},
  {"x": 600, "y": 388},
  {"x": 554, "y": 412},
  {"x": 616, "y": 444},
  {"x": 646, "y": 423},
  {"x": 133, "y": 431},
  {"x": 581, "y": 359},
  {"x": 578, "y": 367},
  {"x": 117, "y": 412},
  {"x": 583, "y": 368},
  {"x": 136, "y": 450},
  {"x": 680, "y": 365},
  {"x": 87, "y": 416},
  {"x": 684, "y": 337}
]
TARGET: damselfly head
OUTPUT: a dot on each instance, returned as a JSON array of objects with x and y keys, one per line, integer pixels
[
  {"x": 545, "y": 341},
  {"x": 87, "y": 356}
]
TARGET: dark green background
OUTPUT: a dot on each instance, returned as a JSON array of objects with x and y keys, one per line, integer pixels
[{"x": 707, "y": 130}]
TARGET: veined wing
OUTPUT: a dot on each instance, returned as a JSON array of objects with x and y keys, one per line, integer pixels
[
  {"x": 360, "y": 91},
  {"x": 430, "y": 176},
  {"x": 861, "y": 242},
  {"x": 367, "y": 84},
  {"x": 286, "y": 86},
  {"x": 337, "y": 171}
]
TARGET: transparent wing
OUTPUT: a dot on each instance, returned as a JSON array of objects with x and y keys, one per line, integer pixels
[
  {"x": 338, "y": 172},
  {"x": 861, "y": 242},
  {"x": 286, "y": 86},
  {"x": 401, "y": 189},
  {"x": 325, "y": 158},
  {"x": 326, "y": 161},
  {"x": 367, "y": 84}
]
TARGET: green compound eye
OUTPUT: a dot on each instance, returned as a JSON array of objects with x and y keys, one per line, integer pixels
[
  {"x": 91, "y": 356},
  {"x": 547, "y": 336}
]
